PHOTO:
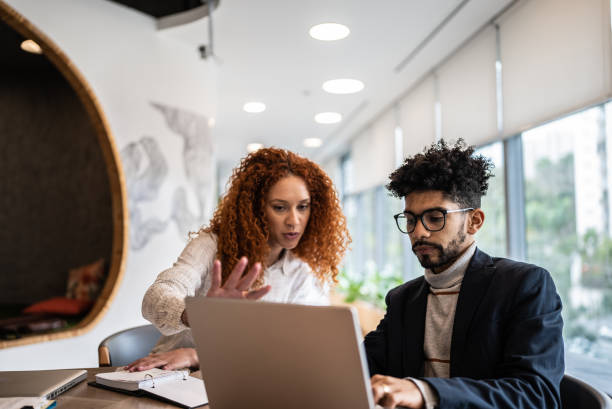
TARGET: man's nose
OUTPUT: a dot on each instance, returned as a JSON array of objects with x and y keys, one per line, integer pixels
[{"x": 420, "y": 230}]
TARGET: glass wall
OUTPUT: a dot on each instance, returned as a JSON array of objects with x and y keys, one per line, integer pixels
[
  {"x": 380, "y": 257},
  {"x": 492, "y": 237},
  {"x": 376, "y": 261},
  {"x": 568, "y": 231}
]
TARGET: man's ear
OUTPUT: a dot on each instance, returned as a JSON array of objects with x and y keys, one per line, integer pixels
[{"x": 475, "y": 220}]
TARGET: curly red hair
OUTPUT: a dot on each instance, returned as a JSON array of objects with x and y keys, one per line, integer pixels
[{"x": 241, "y": 226}]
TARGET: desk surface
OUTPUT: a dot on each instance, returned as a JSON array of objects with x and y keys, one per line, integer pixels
[{"x": 85, "y": 396}]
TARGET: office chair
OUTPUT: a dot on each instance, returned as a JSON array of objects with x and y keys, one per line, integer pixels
[
  {"x": 126, "y": 346},
  {"x": 577, "y": 394}
]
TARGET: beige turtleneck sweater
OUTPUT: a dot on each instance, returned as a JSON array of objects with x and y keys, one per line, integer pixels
[{"x": 441, "y": 305}]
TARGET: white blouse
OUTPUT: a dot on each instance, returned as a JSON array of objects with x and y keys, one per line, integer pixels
[{"x": 290, "y": 278}]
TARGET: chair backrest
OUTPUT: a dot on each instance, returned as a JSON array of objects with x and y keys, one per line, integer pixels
[
  {"x": 127, "y": 346},
  {"x": 576, "y": 393}
]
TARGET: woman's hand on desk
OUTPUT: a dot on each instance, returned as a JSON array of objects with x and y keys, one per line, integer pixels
[
  {"x": 175, "y": 359},
  {"x": 236, "y": 285}
]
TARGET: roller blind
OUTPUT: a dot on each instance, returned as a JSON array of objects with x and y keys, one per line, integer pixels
[
  {"x": 467, "y": 91},
  {"x": 332, "y": 168},
  {"x": 417, "y": 118},
  {"x": 556, "y": 58},
  {"x": 373, "y": 154}
]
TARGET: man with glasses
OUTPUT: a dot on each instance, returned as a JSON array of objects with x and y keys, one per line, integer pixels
[{"x": 474, "y": 331}]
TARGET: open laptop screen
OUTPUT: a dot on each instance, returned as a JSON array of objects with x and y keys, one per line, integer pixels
[{"x": 272, "y": 355}]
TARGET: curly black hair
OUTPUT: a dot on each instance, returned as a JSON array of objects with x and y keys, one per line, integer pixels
[{"x": 453, "y": 170}]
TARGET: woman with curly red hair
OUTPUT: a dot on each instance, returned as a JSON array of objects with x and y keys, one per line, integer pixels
[{"x": 280, "y": 219}]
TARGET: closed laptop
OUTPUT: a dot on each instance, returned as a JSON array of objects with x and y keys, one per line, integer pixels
[{"x": 47, "y": 383}]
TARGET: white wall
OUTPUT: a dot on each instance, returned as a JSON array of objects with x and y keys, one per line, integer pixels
[{"x": 130, "y": 65}]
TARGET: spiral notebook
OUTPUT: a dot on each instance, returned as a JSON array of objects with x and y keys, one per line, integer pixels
[{"x": 176, "y": 387}]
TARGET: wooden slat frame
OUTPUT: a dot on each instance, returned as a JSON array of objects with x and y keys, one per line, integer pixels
[{"x": 113, "y": 167}]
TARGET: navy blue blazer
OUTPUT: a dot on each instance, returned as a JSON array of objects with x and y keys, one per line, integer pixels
[{"x": 506, "y": 347}]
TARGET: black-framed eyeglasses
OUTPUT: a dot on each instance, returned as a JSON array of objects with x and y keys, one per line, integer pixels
[{"x": 432, "y": 219}]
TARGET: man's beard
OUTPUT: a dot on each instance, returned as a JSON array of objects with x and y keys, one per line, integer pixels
[{"x": 446, "y": 255}]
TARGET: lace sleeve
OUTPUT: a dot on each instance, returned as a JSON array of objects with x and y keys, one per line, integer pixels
[{"x": 164, "y": 301}]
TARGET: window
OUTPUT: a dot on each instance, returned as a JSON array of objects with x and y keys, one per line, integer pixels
[
  {"x": 375, "y": 261},
  {"x": 568, "y": 231},
  {"x": 352, "y": 259},
  {"x": 492, "y": 237},
  {"x": 367, "y": 231},
  {"x": 381, "y": 256},
  {"x": 560, "y": 179},
  {"x": 399, "y": 260},
  {"x": 346, "y": 175}
]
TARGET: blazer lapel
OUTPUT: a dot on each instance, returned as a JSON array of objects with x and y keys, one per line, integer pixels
[
  {"x": 414, "y": 323},
  {"x": 473, "y": 288}
]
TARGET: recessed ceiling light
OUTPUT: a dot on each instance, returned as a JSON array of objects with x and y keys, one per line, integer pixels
[
  {"x": 252, "y": 147},
  {"x": 343, "y": 86},
  {"x": 329, "y": 31},
  {"x": 254, "y": 107},
  {"x": 212, "y": 122},
  {"x": 328, "y": 118},
  {"x": 31, "y": 46},
  {"x": 312, "y": 142}
]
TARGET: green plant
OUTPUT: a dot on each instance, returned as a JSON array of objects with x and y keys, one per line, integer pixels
[{"x": 371, "y": 287}]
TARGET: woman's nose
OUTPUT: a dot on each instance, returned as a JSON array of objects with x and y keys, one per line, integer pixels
[{"x": 292, "y": 218}]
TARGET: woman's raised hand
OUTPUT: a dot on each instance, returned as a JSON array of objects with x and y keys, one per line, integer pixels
[{"x": 237, "y": 285}]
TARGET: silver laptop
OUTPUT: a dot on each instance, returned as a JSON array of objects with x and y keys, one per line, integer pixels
[
  {"x": 272, "y": 355},
  {"x": 47, "y": 384}
]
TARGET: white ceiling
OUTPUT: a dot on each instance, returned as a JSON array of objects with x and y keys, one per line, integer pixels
[{"x": 265, "y": 54}]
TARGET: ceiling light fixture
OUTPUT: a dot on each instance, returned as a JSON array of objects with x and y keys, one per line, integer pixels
[
  {"x": 328, "y": 118},
  {"x": 329, "y": 31},
  {"x": 343, "y": 86},
  {"x": 254, "y": 107},
  {"x": 252, "y": 147},
  {"x": 31, "y": 46},
  {"x": 312, "y": 142}
]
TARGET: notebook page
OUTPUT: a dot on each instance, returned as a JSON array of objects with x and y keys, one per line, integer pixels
[
  {"x": 189, "y": 392},
  {"x": 135, "y": 380}
]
